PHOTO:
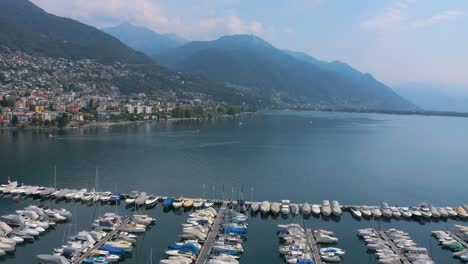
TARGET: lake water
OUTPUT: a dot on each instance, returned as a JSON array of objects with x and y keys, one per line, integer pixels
[{"x": 301, "y": 156}]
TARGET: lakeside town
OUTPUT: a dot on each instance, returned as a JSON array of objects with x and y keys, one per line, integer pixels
[{"x": 50, "y": 92}]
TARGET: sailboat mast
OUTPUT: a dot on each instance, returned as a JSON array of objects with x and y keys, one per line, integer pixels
[{"x": 55, "y": 176}]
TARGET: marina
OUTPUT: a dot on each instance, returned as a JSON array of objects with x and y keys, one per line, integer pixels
[
  {"x": 334, "y": 209},
  {"x": 156, "y": 163},
  {"x": 208, "y": 245}
]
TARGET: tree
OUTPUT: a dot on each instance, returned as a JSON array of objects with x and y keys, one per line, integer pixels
[
  {"x": 14, "y": 121},
  {"x": 36, "y": 121},
  {"x": 62, "y": 121},
  {"x": 46, "y": 123}
]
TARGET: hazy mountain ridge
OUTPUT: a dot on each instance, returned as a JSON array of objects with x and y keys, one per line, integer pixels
[
  {"x": 250, "y": 61},
  {"x": 435, "y": 96},
  {"x": 143, "y": 39}
]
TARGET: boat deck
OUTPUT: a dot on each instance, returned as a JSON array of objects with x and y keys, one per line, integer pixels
[
  {"x": 313, "y": 246},
  {"x": 101, "y": 242},
  {"x": 206, "y": 249},
  {"x": 395, "y": 249}
]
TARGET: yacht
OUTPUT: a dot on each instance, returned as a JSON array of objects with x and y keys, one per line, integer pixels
[
  {"x": 209, "y": 203},
  {"x": 365, "y": 210},
  {"x": 461, "y": 212},
  {"x": 315, "y": 209},
  {"x": 168, "y": 202},
  {"x": 187, "y": 203},
  {"x": 326, "y": 209},
  {"x": 405, "y": 212},
  {"x": 131, "y": 197},
  {"x": 443, "y": 212},
  {"x": 385, "y": 209},
  {"x": 265, "y": 207},
  {"x": 198, "y": 203},
  {"x": 425, "y": 211},
  {"x": 395, "y": 211},
  {"x": 356, "y": 212},
  {"x": 255, "y": 206},
  {"x": 285, "y": 207},
  {"x": 141, "y": 199},
  {"x": 434, "y": 211},
  {"x": 52, "y": 259},
  {"x": 87, "y": 196},
  {"x": 376, "y": 212},
  {"x": 451, "y": 212},
  {"x": 336, "y": 208},
  {"x": 306, "y": 209},
  {"x": 105, "y": 196},
  {"x": 275, "y": 207},
  {"x": 178, "y": 202},
  {"x": 415, "y": 211},
  {"x": 295, "y": 209},
  {"x": 151, "y": 200}
]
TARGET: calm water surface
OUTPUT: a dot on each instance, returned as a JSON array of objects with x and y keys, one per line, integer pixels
[{"x": 302, "y": 156}]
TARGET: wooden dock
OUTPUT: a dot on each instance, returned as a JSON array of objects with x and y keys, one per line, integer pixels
[
  {"x": 459, "y": 239},
  {"x": 206, "y": 249},
  {"x": 101, "y": 242},
  {"x": 395, "y": 249},
  {"x": 313, "y": 246}
]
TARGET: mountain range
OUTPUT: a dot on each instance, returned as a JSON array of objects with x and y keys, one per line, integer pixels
[
  {"x": 435, "y": 96},
  {"x": 26, "y": 27},
  {"x": 283, "y": 77},
  {"x": 239, "y": 66},
  {"x": 145, "y": 40}
]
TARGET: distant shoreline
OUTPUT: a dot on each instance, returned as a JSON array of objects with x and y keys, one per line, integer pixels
[
  {"x": 388, "y": 112},
  {"x": 124, "y": 123}
]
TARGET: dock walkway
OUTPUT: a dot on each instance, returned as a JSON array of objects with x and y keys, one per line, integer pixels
[
  {"x": 395, "y": 249},
  {"x": 206, "y": 249},
  {"x": 313, "y": 246},
  {"x": 459, "y": 239},
  {"x": 101, "y": 242}
]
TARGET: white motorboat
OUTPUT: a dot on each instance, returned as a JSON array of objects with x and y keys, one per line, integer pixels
[
  {"x": 434, "y": 211},
  {"x": 87, "y": 196},
  {"x": 140, "y": 200},
  {"x": 326, "y": 209},
  {"x": 443, "y": 212},
  {"x": 376, "y": 212},
  {"x": 336, "y": 208},
  {"x": 178, "y": 202},
  {"x": 151, "y": 200},
  {"x": 105, "y": 196},
  {"x": 415, "y": 211},
  {"x": 285, "y": 207},
  {"x": 198, "y": 203},
  {"x": 265, "y": 207},
  {"x": 395, "y": 211},
  {"x": 209, "y": 203},
  {"x": 275, "y": 208},
  {"x": 405, "y": 212},
  {"x": 451, "y": 212},
  {"x": 255, "y": 206},
  {"x": 425, "y": 211},
  {"x": 131, "y": 197},
  {"x": 315, "y": 209},
  {"x": 306, "y": 209},
  {"x": 385, "y": 209},
  {"x": 365, "y": 211},
  {"x": 356, "y": 212}
]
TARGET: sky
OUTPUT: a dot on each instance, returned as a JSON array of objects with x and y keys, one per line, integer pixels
[{"x": 397, "y": 41}]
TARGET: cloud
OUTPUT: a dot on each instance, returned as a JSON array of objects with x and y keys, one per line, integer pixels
[
  {"x": 391, "y": 19},
  {"x": 438, "y": 18},
  {"x": 100, "y": 13},
  {"x": 230, "y": 24}
]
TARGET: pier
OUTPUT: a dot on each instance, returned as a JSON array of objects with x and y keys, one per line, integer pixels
[
  {"x": 206, "y": 249},
  {"x": 101, "y": 242},
  {"x": 313, "y": 246},
  {"x": 395, "y": 249},
  {"x": 458, "y": 239}
]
